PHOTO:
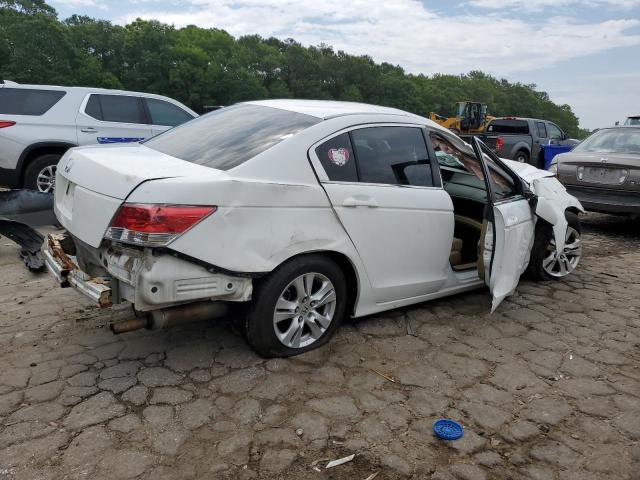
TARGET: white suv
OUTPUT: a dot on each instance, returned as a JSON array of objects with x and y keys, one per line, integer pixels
[{"x": 39, "y": 123}]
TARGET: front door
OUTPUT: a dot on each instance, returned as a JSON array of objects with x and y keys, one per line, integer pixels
[
  {"x": 381, "y": 185},
  {"x": 509, "y": 227}
]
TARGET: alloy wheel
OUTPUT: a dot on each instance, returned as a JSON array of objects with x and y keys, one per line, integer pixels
[
  {"x": 46, "y": 180},
  {"x": 560, "y": 264},
  {"x": 304, "y": 310}
]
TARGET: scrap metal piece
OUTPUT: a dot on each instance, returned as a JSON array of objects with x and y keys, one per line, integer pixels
[
  {"x": 63, "y": 267},
  {"x": 27, "y": 206},
  {"x": 29, "y": 240},
  {"x": 340, "y": 461}
]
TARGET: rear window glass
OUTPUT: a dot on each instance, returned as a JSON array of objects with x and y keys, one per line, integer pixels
[
  {"x": 520, "y": 127},
  {"x": 613, "y": 140},
  {"x": 27, "y": 101},
  {"x": 228, "y": 137}
]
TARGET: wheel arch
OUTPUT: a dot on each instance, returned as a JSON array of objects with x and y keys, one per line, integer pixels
[
  {"x": 38, "y": 149},
  {"x": 347, "y": 267},
  {"x": 520, "y": 146}
]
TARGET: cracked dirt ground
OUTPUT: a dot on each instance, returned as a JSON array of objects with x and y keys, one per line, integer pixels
[{"x": 548, "y": 387}]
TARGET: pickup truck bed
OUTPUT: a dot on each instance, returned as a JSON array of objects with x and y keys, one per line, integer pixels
[{"x": 522, "y": 138}]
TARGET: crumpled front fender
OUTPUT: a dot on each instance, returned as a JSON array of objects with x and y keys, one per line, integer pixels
[{"x": 552, "y": 202}]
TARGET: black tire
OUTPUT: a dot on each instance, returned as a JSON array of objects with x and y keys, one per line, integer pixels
[
  {"x": 36, "y": 166},
  {"x": 521, "y": 156},
  {"x": 259, "y": 326},
  {"x": 543, "y": 236}
]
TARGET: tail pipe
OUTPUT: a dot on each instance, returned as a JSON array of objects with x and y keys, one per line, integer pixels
[{"x": 169, "y": 317}]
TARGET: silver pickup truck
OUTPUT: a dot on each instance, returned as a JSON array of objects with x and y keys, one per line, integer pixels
[{"x": 521, "y": 139}]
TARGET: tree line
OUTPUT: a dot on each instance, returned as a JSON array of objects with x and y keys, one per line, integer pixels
[{"x": 209, "y": 67}]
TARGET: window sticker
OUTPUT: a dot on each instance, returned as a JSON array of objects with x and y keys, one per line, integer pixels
[{"x": 339, "y": 156}]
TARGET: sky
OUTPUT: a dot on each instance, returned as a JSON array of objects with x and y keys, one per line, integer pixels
[{"x": 585, "y": 53}]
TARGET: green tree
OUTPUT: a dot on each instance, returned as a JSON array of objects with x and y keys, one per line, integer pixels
[{"x": 210, "y": 67}]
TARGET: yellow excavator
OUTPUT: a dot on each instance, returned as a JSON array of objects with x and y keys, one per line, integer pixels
[{"x": 471, "y": 118}]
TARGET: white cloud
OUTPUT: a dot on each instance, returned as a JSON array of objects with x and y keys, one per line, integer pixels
[
  {"x": 405, "y": 32},
  {"x": 73, "y": 3},
  {"x": 537, "y": 5}
]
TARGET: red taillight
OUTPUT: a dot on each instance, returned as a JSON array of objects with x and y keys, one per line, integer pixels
[
  {"x": 154, "y": 225},
  {"x": 6, "y": 123},
  {"x": 499, "y": 143}
]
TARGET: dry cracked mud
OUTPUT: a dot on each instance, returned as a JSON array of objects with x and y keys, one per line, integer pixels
[{"x": 548, "y": 387}]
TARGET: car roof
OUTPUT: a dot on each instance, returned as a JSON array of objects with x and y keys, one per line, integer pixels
[
  {"x": 326, "y": 109},
  {"x": 510, "y": 117},
  {"x": 10, "y": 84}
]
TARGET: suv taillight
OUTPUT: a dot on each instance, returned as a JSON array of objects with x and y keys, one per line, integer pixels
[
  {"x": 6, "y": 123},
  {"x": 499, "y": 143},
  {"x": 154, "y": 225}
]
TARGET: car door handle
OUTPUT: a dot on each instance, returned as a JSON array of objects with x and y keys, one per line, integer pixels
[
  {"x": 359, "y": 202},
  {"x": 89, "y": 130}
]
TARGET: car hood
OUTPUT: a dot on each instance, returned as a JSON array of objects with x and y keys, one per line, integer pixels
[{"x": 527, "y": 172}]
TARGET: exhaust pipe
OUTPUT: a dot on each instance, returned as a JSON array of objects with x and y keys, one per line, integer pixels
[
  {"x": 129, "y": 325},
  {"x": 169, "y": 317}
]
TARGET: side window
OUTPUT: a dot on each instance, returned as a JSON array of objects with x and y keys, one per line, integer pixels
[
  {"x": 27, "y": 101},
  {"x": 554, "y": 132},
  {"x": 461, "y": 172},
  {"x": 392, "y": 155},
  {"x": 501, "y": 183},
  {"x": 165, "y": 113},
  {"x": 115, "y": 108},
  {"x": 93, "y": 108},
  {"x": 542, "y": 130},
  {"x": 336, "y": 157}
]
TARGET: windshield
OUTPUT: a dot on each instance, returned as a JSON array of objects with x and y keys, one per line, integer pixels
[
  {"x": 225, "y": 138},
  {"x": 632, "y": 121},
  {"x": 612, "y": 140}
]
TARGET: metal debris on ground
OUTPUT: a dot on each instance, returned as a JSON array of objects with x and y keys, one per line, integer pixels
[
  {"x": 340, "y": 461},
  {"x": 383, "y": 375},
  {"x": 372, "y": 476},
  {"x": 411, "y": 326}
]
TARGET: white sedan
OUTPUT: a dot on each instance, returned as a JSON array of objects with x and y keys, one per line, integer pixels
[{"x": 308, "y": 211}]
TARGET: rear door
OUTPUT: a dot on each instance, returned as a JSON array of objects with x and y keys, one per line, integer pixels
[
  {"x": 164, "y": 115},
  {"x": 106, "y": 118},
  {"x": 509, "y": 226},
  {"x": 384, "y": 190}
]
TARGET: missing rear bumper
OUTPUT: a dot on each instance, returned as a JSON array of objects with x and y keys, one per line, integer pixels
[{"x": 66, "y": 272}]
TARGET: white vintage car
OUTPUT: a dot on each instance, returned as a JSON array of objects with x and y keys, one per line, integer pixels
[{"x": 309, "y": 211}]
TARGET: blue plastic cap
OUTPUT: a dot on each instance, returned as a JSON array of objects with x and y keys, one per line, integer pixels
[{"x": 448, "y": 430}]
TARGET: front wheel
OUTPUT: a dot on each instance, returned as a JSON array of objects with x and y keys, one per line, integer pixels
[
  {"x": 297, "y": 308},
  {"x": 546, "y": 263}
]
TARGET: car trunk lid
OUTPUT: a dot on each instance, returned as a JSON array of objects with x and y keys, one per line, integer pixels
[
  {"x": 619, "y": 171},
  {"x": 92, "y": 183}
]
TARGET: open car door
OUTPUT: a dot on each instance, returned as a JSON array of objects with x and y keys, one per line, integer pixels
[{"x": 508, "y": 227}]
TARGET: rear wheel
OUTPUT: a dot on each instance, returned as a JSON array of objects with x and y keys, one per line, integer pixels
[
  {"x": 297, "y": 308},
  {"x": 522, "y": 156},
  {"x": 546, "y": 263},
  {"x": 41, "y": 173}
]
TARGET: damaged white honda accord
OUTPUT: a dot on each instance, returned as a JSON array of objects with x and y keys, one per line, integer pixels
[{"x": 309, "y": 211}]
